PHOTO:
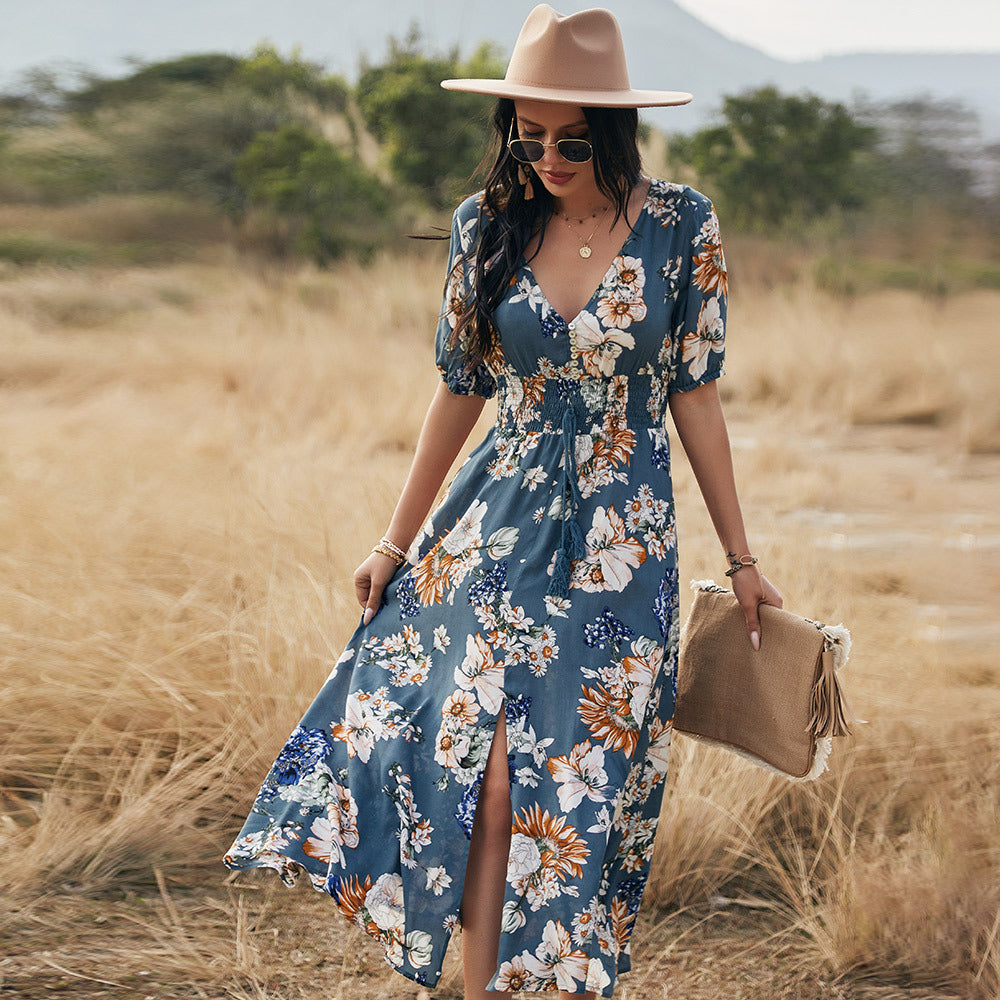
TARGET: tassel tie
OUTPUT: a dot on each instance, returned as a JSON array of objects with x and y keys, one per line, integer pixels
[
  {"x": 571, "y": 541},
  {"x": 829, "y": 711}
]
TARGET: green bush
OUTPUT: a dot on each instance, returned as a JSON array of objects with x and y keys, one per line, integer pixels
[
  {"x": 270, "y": 74},
  {"x": 29, "y": 248},
  {"x": 333, "y": 205},
  {"x": 189, "y": 140},
  {"x": 777, "y": 159},
  {"x": 433, "y": 138},
  {"x": 205, "y": 70}
]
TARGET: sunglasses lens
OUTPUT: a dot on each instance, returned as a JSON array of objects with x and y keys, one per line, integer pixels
[
  {"x": 527, "y": 150},
  {"x": 575, "y": 150}
]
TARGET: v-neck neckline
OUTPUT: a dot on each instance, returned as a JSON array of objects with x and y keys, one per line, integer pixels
[{"x": 629, "y": 236}]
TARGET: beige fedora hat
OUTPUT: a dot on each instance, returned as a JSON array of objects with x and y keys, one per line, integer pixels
[{"x": 576, "y": 59}]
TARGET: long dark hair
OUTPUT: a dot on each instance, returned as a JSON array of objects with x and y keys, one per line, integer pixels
[{"x": 507, "y": 221}]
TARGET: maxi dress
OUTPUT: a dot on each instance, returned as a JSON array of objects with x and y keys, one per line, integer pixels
[{"x": 544, "y": 586}]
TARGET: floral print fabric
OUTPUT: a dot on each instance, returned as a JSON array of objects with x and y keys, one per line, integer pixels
[{"x": 543, "y": 586}]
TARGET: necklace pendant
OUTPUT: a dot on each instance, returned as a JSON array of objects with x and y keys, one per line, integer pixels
[{"x": 585, "y": 251}]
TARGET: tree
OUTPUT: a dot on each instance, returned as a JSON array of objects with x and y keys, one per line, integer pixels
[
  {"x": 433, "y": 138},
  {"x": 269, "y": 73},
  {"x": 777, "y": 158},
  {"x": 927, "y": 150},
  {"x": 334, "y": 205}
]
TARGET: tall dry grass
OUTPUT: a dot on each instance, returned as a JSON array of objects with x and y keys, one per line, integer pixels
[{"x": 192, "y": 461}]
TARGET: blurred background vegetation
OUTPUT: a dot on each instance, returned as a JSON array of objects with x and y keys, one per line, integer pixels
[{"x": 269, "y": 154}]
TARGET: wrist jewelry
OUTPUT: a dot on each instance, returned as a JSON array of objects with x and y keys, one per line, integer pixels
[
  {"x": 388, "y": 548},
  {"x": 737, "y": 564}
]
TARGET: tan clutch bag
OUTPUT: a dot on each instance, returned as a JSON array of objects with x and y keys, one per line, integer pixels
[{"x": 779, "y": 706}]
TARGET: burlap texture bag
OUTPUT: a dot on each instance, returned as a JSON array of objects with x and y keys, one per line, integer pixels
[{"x": 778, "y": 706}]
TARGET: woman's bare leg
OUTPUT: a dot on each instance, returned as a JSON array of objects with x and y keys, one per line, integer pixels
[{"x": 486, "y": 872}]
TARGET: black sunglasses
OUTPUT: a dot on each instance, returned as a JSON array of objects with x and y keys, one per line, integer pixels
[{"x": 532, "y": 150}]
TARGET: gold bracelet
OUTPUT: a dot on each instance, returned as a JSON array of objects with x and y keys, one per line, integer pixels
[
  {"x": 393, "y": 553},
  {"x": 389, "y": 543}
]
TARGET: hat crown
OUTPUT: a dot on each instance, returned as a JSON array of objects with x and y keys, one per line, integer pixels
[{"x": 577, "y": 51}]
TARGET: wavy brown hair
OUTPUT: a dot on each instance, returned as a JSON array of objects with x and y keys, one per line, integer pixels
[{"x": 507, "y": 221}]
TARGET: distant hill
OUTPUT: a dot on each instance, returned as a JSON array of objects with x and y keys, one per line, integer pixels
[{"x": 667, "y": 46}]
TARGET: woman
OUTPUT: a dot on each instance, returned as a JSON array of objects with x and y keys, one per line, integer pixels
[{"x": 490, "y": 749}]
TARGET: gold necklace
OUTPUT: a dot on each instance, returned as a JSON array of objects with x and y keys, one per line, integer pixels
[{"x": 585, "y": 250}]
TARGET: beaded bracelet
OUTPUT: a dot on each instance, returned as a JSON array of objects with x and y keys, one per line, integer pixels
[
  {"x": 737, "y": 564},
  {"x": 387, "y": 548}
]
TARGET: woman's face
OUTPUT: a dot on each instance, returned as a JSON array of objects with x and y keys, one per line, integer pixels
[{"x": 549, "y": 122}]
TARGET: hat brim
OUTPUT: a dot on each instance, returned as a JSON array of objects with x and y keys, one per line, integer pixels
[{"x": 583, "y": 98}]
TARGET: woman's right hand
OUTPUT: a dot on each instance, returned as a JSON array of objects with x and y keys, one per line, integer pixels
[{"x": 370, "y": 579}]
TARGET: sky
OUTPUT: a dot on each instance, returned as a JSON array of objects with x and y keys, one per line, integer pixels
[{"x": 807, "y": 29}]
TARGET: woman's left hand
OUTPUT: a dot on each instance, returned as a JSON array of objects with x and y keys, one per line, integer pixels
[{"x": 751, "y": 588}]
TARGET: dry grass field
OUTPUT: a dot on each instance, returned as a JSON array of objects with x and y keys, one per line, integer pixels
[{"x": 194, "y": 458}]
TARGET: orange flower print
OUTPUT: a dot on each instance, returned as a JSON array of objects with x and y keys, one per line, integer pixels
[
  {"x": 609, "y": 718},
  {"x": 432, "y": 575},
  {"x": 616, "y": 443},
  {"x": 709, "y": 264},
  {"x": 621, "y": 923},
  {"x": 561, "y": 849},
  {"x": 350, "y": 894},
  {"x": 611, "y": 556}
]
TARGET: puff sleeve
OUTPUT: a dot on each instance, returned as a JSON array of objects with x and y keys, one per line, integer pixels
[
  {"x": 699, "y": 320},
  {"x": 461, "y": 268}
]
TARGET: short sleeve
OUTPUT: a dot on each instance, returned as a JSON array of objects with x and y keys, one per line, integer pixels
[
  {"x": 461, "y": 268},
  {"x": 699, "y": 330}
]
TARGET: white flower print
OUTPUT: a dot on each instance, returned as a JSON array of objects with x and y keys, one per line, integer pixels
[
  {"x": 555, "y": 958},
  {"x": 438, "y": 880},
  {"x": 534, "y": 477},
  {"x": 360, "y": 728},
  {"x": 523, "y": 858},
  {"x": 467, "y": 531},
  {"x": 709, "y": 336},
  {"x": 384, "y": 902},
  {"x": 528, "y": 291},
  {"x": 512, "y": 918},
  {"x": 419, "y": 948},
  {"x": 556, "y": 606},
  {"x": 603, "y": 823},
  {"x": 335, "y": 831},
  {"x": 611, "y": 556},
  {"x": 501, "y": 543},
  {"x": 597, "y": 978},
  {"x": 451, "y": 748},
  {"x": 599, "y": 348},
  {"x": 580, "y": 774},
  {"x": 441, "y": 638},
  {"x": 479, "y": 672},
  {"x": 512, "y": 976}
]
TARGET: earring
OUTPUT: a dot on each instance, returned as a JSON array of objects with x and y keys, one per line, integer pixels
[{"x": 525, "y": 178}]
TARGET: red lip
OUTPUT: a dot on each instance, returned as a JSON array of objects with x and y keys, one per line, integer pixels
[{"x": 554, "y": 178}]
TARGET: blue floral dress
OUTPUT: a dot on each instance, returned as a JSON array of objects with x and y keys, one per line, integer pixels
[{"x": 543, "y": 586}]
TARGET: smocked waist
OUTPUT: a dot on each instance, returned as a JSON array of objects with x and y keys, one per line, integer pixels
[{"x": 539, "y": 403}]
